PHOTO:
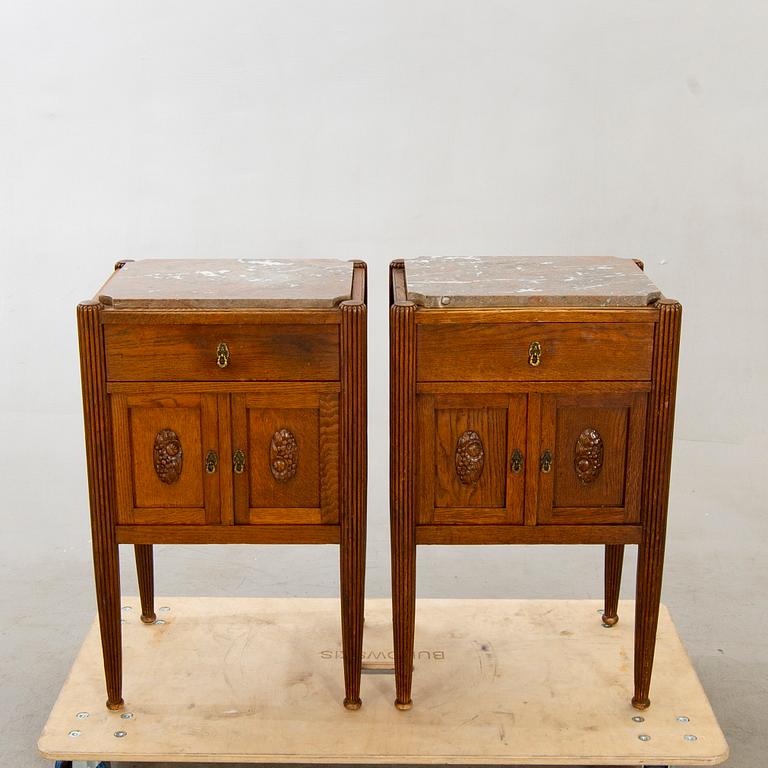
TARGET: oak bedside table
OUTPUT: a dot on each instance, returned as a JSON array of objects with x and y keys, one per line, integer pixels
[
  {"x": 532, "y": 402},
  {"x": 225, "y": 402}
]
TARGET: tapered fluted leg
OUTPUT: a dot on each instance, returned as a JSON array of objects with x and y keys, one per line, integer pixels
[
  {"x": 98, "y": 447},
  {"x": 146, "y": 577},
  {"x": 650, "y": 560},
  {"x": 402, "y": 504},
  {"x": 353, "y": 494},
  {"x": 403, "y": 606},
  {"x": 658, "y": 459},
  {"x": 614, "y": 560},
  {"x": 106, "y": 564}
]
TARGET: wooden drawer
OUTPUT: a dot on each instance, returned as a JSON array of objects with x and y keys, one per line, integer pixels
[
  {"x": 189, "y": 352},
  {"x": 500, "y": 351}
]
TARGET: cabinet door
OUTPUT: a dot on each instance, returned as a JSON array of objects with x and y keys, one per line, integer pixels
[
  {"x": 470, "y": 450},
  {"x": 591, "y": 457},
  {"x": 166, "y": 451},
  {"x": 287, "y": 467}
]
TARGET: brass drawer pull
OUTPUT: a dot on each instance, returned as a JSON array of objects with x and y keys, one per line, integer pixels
[
  {"x": 211, "y": 462},
  {"x": 238, "y": 462},
  {"x": 534, "y": 353},
  {"x": 516, "y": 462},
  {"x": 222, "y": 355},
  {"x": 546, "y": 461}
]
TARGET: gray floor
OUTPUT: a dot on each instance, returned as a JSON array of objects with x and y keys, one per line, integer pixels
[{"x": 715, "y": 577}]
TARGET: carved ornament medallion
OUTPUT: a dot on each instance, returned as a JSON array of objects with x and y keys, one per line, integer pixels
[
  {"x": 470, "y": 457},
  {"x": 588, "y": 458},
  {"x": 169, "y": 456},
  {"x": 283, "y": 455}
]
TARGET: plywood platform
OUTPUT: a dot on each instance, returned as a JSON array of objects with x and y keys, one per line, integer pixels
[{"x": 496, "y": 682}]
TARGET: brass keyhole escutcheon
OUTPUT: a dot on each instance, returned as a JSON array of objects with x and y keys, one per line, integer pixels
[
  {"x": 516, "y": 462},
  {"x": 211, "y": 462},
  {"x": 546, "y": 461},
  {"x": 238, "y": 462},
  {"x": 222, "y": 355},
  {"x": 534, "y": 353}
]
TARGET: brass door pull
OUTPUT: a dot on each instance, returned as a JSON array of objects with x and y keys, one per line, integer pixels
[
  {"x": 238, "y": 462},
  {"x": 546, "y": 461},
  {"x": 211, "y": 462},
  {"x": 534, "y": 353},
  {"x": 222, "y": 355},
  {"x": 516, "y": 462}
]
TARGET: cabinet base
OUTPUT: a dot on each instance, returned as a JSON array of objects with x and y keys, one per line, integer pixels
[{"x": 496, "y": 682}]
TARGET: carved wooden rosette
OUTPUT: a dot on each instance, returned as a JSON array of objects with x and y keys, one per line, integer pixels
[
  {"x": 588, "y": 458},
  {"x": 402, "y": 389},
  {"x": 470, "y": 457},
  {"x": 169, "y": 456},
  {"x": 98, "y": 451},
  {"x": 658, "y": 460},
  {"x": 353, "y": 482},
  {"x": 283, "y": 455}
]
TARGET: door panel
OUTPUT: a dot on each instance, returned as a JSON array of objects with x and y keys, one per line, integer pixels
[
  {"x": 162, "y": 446},
  {"x": 596, "y": 444},
  {"x": 465, "y": 448},
  {"x": 291, "y": 455}
]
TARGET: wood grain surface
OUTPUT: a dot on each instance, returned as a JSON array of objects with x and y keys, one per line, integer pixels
[
  {"x": 167, "y": 352},
  {"x": 499, "y": 351},
  {"x": 499, "y": 682}
]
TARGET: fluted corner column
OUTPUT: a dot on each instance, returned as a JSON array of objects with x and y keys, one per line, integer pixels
[
  {"x": 98, "y": 451},
  {"x": 402, "y": 481},
  {"x": 658, "y": 460},
  {"x": 353, "y": 480}
]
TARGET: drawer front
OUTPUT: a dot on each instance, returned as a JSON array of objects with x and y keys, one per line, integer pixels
[
  {"x": 535, "y": 352},
  {"x": 222, "y": 352}
]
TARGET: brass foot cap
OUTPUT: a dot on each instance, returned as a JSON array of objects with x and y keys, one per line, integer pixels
[
  {"x": 403, "y": 706},
  {"x": 148, "y": 619},
  {"x": 114, "y": 706},
  {"x": 641, "y": 704},
  {"x": 353, "y": 704},
  {"x": 610, "y": 621}
]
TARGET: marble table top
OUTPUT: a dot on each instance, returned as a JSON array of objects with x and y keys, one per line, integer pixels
[
  {"x": 228, "y": 283},
  {"x": 528, "y": 281}
]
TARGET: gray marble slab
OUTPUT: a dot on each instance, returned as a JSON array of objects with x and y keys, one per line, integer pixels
[
  {"x": 528, "y": 281},
  {"x": 228, "y": 283}
]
